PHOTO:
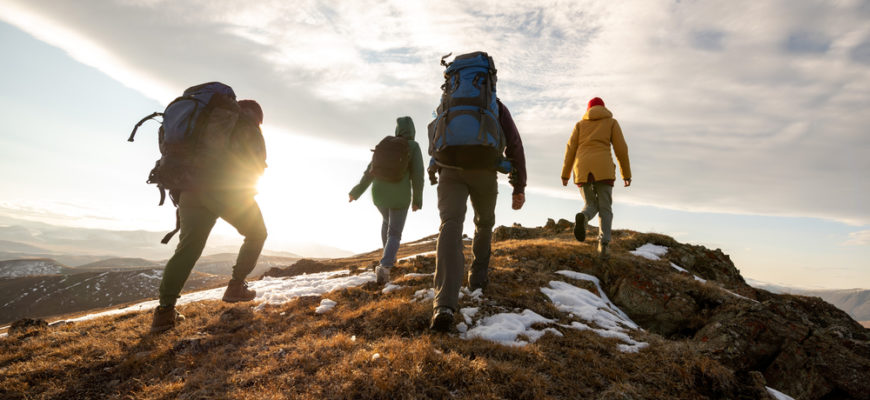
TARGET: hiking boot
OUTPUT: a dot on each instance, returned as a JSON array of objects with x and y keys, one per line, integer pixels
[
  {"x": 165, "y": 318},
  {"x": 602, "y": 250},
  {"x": 580, "y": 227},
  {"x": 477, "y": 277},
  {"x": 383, "y": 274},
  {"x": 442, "y": 318},
  {"x": 238, "y": 291}
]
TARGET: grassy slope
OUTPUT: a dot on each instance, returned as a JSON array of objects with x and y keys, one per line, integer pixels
[{"x": 288, "y": 351}]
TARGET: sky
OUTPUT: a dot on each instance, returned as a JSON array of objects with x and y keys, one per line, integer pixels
[{"x": 746, "y": 121}]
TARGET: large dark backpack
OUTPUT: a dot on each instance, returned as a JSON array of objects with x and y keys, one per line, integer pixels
[
  {"x": 466, "y": 130},
  {"x": 390, "y": 158},
  {"x": 193, "y": 138}
]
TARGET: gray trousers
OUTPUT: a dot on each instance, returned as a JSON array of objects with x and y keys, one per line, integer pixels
[
  {"x": 454, "y": 189},
  {"x": 599, "y": 199}
]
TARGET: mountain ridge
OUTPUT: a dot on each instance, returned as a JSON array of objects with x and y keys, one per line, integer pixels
[{"x": 708, "y": 334}]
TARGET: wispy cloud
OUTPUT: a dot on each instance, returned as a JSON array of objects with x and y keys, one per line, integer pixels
[
  {"x": 748, "y": 107},
  {"x": 859, "y": 238}
]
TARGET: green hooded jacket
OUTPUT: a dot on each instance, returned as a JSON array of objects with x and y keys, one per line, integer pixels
[{"x": 397, "y": 194}]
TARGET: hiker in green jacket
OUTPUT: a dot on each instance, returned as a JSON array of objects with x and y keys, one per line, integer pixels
[
  {"x": 227, "y": 193},
  {"x": 393, "y": 198}
]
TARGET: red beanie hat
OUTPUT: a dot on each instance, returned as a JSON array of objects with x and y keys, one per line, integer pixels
[{"x": 596, "y": 101}]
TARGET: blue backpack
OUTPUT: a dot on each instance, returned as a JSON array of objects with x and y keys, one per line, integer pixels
[
  {"x": 194, "y": 138},
  {"x": 466, "y": 132}
]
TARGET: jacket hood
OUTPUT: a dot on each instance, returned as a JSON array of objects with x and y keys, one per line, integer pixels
[
  {"x": 405, "y": 128},
  {"x": 597, "y": 112}
]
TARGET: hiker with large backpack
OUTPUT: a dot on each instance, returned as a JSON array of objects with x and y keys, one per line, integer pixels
[
  {"x": 396, "y": 176},
  {"x": 471, "y": 139},
  {"x": 213, "y": 153},
  {"x": 587, "y": 156}
]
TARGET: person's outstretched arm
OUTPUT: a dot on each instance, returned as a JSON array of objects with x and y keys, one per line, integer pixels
[
  {"x": 363, "y": 184},
  {"x": 620, "y": 148}
]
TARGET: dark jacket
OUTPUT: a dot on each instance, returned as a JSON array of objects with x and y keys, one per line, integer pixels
[
  {"x": 403, "y": 193},
  {"x": 239, "y": 167},
  {"x": 514, "y": 148}
]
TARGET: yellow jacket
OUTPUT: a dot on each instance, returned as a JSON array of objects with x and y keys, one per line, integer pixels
[{"x": 589, "y": 148}]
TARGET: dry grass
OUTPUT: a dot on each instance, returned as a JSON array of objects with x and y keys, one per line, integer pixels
[{"x": 370, "y": 346}]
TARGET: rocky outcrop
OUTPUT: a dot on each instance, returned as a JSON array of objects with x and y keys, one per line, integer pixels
[
  {"x": 803, "y": 346},
  {"x": 303, "y": 266}
]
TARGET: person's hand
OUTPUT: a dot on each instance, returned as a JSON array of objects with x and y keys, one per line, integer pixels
[
  {"x": 415, "y": 207},
  {"x": 518, "y": 200},
  {"x": 350, "y": 198},
  {"x": 564, "y": 181},
  {"x": 627, "y": 182}
]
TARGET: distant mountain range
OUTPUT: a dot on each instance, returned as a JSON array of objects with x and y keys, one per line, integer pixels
[
  {"x": 47, "y": 295},
  {"x": 42, "y": 287},
  {"x": 72, "y": 246},
  {"x": 856, "y": 302},
  {"x": 31, "y": 267}
]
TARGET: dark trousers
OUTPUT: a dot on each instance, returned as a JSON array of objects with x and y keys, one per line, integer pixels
[
  {"x": 198, "y": 212},
  {"x": 454, "y": 189}
]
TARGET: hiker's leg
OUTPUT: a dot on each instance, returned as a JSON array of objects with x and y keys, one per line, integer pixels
[
  {"x": 604, "y": 193},
  {"x": 385, "y": 224},
  {"x": 196, "y": 223},
  {"x": 590, "y": 200},
  {"x": 450, "y": 262},
  {"x": 394, "y": 235},
  {"x": 243, "y": 213},
  {"x": 483, "y": 188}
]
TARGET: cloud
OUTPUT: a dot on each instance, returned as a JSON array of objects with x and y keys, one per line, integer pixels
[
  {"x": 859, "y": 238},
  {"x": 748, "y": 107}
]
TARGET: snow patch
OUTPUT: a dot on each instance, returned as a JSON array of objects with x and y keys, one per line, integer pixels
[
  {"x": 325, "y": 306},
  {"x": 424, "y": 295},
  {"x": 598, "y": 310},
  {"x": 390, "y": 287},
  {"x": 650, "y": 251},
  {"x": 468, "y": 313},
  {"x": 681, "y": 269},
  {"x": 778, "y": 395},
  {"x": 418, "y": 275},
  {"x": 270, "y": 290},
  {"x": 507, "y": 328}
]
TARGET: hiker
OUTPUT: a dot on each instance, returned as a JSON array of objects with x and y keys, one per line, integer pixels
[
  {"x": 396, "y": 176},
  {"x": 226, "y": 192},
  {"x": 588, "y": 156},
  {"x": 468, "y": 141}
]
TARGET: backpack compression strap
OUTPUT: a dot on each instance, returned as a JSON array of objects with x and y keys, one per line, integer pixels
[
  {"x": 174, "y": 231},
  {"x": 142, "y": 121}
]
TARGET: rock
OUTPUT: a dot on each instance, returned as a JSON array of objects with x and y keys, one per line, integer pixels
[
  {"x": 805, "y": 347},
  {"x": 27, "y": 325},
  {"x": 303, "y": 266}
]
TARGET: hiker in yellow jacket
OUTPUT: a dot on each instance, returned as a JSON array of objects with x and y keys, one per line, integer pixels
[{"x": 588, "y": 156}]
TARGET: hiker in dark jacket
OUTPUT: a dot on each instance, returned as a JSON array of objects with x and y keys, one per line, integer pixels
[
  {"x": 393, "y": 198},
  {"x": 455, "y": 186},
  {"x": 228, "y": 194}
]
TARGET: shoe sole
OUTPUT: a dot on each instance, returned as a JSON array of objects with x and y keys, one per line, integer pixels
[
  {"x": 441, "y": 322},
  {"x": 580, "y": 227},
  {"x": 236, "y": 300}
]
